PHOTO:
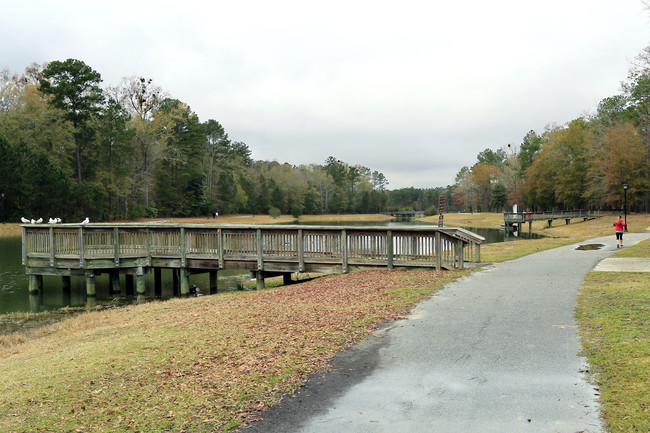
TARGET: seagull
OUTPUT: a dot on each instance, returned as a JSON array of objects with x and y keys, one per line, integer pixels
[
  {"x": 40, "y": 220},
  {"x": 33, "y": 221},
  {"x": 86, "y": 221},
  {"x": 24, "y": 220},
  {"x": 58, "y": 220},
  {"x": 51, "y": 221}
]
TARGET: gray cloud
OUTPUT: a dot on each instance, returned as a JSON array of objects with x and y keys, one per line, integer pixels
[{"x": 413, "y": 89}]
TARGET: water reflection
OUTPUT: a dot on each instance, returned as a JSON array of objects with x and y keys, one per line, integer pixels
[{"x": 14, "y": 293}]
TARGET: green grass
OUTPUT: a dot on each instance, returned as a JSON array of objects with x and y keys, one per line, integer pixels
[{"x": 613, "y": 313}]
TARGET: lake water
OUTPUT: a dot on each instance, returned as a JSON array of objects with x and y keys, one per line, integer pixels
[{"x": 14, "y": 283}]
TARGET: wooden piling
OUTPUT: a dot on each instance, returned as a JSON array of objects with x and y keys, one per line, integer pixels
[
  {"x": 140, "y": 286},
  {"x": 157, "y": 281},
  {"x": 185, "y": 282},
  {"x": 115, "y": 287},
  {"x": 91, "y": 294},
  {"x": 66, "y": 289},
  {"x": 35, "y": 293},
  {"x": 259, "y": 280},
  {"x": 214, "y": 282}
]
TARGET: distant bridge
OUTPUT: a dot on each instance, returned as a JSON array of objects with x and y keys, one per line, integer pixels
[
  {"x": 405, "y": 215},
  {"x": 514, "y": 220}
]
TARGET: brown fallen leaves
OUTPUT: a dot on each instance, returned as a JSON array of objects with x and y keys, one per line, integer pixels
[{"x": 201, "y": 364}]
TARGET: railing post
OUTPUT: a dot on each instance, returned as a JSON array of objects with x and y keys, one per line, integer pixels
[
  {"x": 116, "y": 246},
  {"x": 260, "y": 257},
  {"x": 344, "y": 251},
  {"x": 148, "y": 246},
  {"x": 301, "y": 251},
  {"x": 183, "y": 251},
  {"x": 477, "y": 255},
  {"x": 459, "y": 252},
  {"x": 389, "y": 249},
  {"x": 81, "y": 247},
  {"x": 52, "y": 251},
  {"x": 220, "y": 241},
  {"x": 24, "y": 246},
  {"x": 438, "y": 250}
]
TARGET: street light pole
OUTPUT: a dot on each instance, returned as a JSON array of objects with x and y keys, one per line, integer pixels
[{"x": 625, "y": 203}]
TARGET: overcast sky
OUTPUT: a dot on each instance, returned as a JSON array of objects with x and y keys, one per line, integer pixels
[{"x": 413, "y": 89}]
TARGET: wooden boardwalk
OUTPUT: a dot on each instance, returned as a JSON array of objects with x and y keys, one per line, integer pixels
[
  {"x": 133, "y": 250},
  {"x": 513, "y": 220}
]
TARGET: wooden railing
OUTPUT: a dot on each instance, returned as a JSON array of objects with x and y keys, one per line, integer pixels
[
  {"x": 259, "y": 248},
  {"x": 518, "y": 218}
]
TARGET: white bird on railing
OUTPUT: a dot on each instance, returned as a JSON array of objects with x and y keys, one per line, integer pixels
[
  {"x": 58, "y": 220},
  {"x": 51, "y": 221},
  {"x": 24, "y": 220},
  {"x": 40, "y": 220},
  {"x": 33, "y": 221},
  {"x": 86, "y": 221}
]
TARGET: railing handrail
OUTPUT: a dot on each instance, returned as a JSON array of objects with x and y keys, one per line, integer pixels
[
  {"x": 418, "y": 244},
  {"x": 454, "y": 231}
]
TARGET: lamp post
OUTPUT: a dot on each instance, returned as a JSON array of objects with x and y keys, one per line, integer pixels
[{"x": 625, "y": 203}]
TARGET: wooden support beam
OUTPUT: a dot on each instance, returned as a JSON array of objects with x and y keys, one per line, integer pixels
[
  {"x": 115, "y": 287},
  {"x": 129, "y": 285},
  {"x": 214, "y": 282},
  {"x": 66, "y": 289},
  {"x": 259, "y": 280},
  {"x": 157, "y": 281},
  {"x": 185, "y": 282},
  {"x": 35, "y": 293},
  {"x": 140, "y": 286},
  {"x": 91, "y": 291},
  {"x": 176, "y": 290}
]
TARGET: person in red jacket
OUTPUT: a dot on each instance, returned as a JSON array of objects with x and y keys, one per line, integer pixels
[{"x": 619, "y": 226}]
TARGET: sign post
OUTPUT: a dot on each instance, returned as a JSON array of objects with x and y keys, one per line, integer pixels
[{"x": 441, "y": 210}]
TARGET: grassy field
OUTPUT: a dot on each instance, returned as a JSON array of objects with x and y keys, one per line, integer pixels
[
  {"x": 210, "y": 363},
  {"x": 614, "y": 316}
]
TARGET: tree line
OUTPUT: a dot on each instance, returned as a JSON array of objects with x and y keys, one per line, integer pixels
[
  {"x": 583, "y": 164},
  {"x": 70, "y": 147}
]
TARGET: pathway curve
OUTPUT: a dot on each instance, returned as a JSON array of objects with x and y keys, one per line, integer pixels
[{"x": 494, "y": 352}]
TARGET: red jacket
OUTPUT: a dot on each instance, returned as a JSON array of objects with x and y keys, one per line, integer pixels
[{"x": 619, "y": 225}]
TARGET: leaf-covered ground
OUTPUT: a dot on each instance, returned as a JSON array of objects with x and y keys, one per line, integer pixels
[{"x": 201, "y": 364}]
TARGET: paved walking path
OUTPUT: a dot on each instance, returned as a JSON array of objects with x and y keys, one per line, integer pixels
[{"x": 494, "y": 352}]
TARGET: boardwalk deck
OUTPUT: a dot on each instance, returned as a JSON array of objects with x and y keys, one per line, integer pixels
[
  {"x": 135, "y": 249},
  {"x": 512, "y": 219}
]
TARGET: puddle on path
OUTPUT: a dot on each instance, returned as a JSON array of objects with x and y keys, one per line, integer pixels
[{"x": 590, "y": 247}]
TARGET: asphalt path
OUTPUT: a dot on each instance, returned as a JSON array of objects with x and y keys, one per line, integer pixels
[{"x": 497, "y": 351}]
